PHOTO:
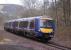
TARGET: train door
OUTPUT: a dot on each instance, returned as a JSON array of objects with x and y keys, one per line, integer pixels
[{"x": 31, "y": 28}]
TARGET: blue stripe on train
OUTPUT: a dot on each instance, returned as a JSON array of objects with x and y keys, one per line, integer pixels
[{"x": 37, "y": 27}]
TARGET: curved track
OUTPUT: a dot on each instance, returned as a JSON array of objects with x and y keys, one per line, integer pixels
[
  {"x": 26, "y": 42},
  {"x": 53, "y": 44}
]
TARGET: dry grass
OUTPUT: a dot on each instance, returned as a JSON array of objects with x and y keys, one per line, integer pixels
[
  {"x": 63, "y": 36},
  {"x": 64, "y": 33}
]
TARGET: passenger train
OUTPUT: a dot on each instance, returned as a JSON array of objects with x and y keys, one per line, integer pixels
[{"x": 39, "y": 27}]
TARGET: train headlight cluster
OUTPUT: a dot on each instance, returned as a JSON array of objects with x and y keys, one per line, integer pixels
[{"x": 46, "y": 30}]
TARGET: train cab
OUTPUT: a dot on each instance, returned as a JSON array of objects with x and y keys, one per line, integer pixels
[{"x": 45, "y": 28}]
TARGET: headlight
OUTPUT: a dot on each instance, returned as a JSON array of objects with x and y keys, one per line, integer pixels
[{"x": 46, "y": 30}]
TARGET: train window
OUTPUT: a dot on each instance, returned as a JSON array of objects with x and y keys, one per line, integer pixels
[
  {"x": 46, "y": 23},
  {"x": 9, "y": 24},
  {"x": 32, "y": 24},
  {"x": 15, "y": 24},
  {"x": 23, "y": 24}
]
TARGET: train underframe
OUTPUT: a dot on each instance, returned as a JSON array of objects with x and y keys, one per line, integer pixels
[{"x": 45, "y": 38}]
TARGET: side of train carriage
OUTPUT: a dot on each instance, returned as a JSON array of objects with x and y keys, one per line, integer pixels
[{"x": 39, "y": 27}]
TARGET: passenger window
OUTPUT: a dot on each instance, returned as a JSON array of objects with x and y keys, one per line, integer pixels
[
  {"x": 32, "y": 24},
  {"x": 9, "y": 24},
  {"x": 23, "y": 24},
  {"x": 15, "y": 24}
]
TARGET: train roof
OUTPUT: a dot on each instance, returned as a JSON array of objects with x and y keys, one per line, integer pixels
[{"x": 30, "y": 18}]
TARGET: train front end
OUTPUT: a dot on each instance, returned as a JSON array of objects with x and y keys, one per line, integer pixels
[{"x": 47, "y": 28}]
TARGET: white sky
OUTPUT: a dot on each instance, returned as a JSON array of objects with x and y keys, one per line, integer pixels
[
  {"x": 19, "y": 2},
  {"x": 10, "y": 2}
]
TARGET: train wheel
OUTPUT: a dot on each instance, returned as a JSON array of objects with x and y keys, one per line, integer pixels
[
  {"x": 49, "y": 38},
  {"x": 45, "y": 40},
  {"x": 24, "y": 33}
]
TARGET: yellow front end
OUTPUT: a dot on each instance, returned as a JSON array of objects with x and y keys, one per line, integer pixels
[{"x": 46, "y": 30}]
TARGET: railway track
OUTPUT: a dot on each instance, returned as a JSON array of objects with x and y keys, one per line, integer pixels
[{"x": 53, "y": 44}]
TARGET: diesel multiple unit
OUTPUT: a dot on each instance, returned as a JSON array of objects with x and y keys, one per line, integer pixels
[{"x": 35, "y": 27}]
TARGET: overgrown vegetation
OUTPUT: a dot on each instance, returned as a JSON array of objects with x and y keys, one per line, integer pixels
[{"x": 58, "y": 9}]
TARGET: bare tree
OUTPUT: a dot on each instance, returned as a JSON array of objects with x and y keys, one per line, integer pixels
[
  {"x": 29, "y": 3},
  {"x": 45, "y": 6},
  {"x": 66, "y": 11}
]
